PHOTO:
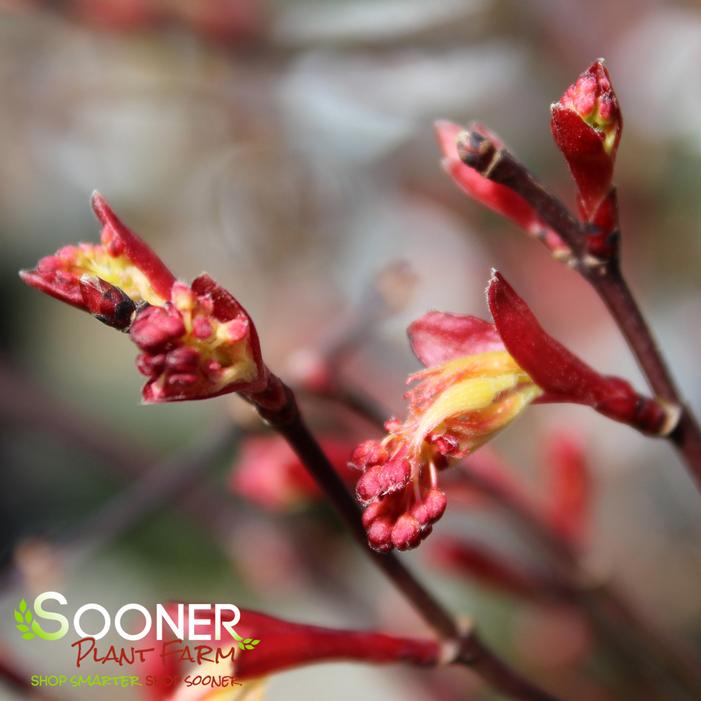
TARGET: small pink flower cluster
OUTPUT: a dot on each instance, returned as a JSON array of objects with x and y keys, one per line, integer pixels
[{"x": 397, "y": 514}]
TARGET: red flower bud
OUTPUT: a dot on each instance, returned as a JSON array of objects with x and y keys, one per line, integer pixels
[
  {"x": 368, "y": 454},
  {"x": 196, "y": 341},
  {"x": 586, "y": 124},
  {"x": 569, "y": 489},
  {"x": 150, "y": 365},
  {"x": 155, "y": 328},
  {"x": 492, "y": 570},
  {"x": 471, "y": 390},
  {"x": 495, "y": 196},
  {"x": 380, "y": 480},
  {"x": 403, "y": 518}
]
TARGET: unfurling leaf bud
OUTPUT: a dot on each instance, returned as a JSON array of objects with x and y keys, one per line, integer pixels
[
  {"x": 586, "y": 124},
  {"x": 467, "y": 154}
]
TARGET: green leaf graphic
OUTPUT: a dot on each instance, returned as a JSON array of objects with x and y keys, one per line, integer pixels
[
  {"x": 248, "y": 644},
  {"x": 23, "y": 617}
]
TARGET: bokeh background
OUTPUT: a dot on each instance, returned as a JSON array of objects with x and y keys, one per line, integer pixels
[{"x": 286, "y": 147}]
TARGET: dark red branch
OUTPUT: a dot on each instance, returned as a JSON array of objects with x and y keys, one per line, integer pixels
[
  {"x": 617, "y": 296},
  {"x": 625, "y": 630}
]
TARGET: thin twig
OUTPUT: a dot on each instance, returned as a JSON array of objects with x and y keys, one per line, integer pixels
[
  {"x": 159, "y": 485},
  {"x": 25, "y": 404},
  {"x": 601, "y": 601},
  {"x": 351, "y": 398},
  {"x": 163, "y": 484},
  {"x": 615, "y": 293}
]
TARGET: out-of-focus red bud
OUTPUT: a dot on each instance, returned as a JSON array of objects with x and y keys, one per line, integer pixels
[
  {"x": 561, "y": 374},
  {"x": 281, "y": 645},
  {"x": 586, "y": 124},
  {"x": 492, "y": 569},
  {"x": 223, "y": 20},
  {"x": 569, "y": 487},
  {"x": 484, "y": 474},
  {"x": 269, "y": 473},
  {"x": 285, "y": 645},
  {"x": 495, "y": 196},
  {"x": 121, "y": 15}
]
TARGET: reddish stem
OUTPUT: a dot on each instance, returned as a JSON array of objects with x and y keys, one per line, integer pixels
[
  {"x": 615, "y": 293},
  {"x": 604, "y": 604}
]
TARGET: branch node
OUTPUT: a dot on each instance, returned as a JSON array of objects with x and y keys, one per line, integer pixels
[
  {"x": 451, "y": 649},
  {"x": 594, "y": 265},
  {"x": 478, "y": 152},
  {"x": 673, "y": 414}
]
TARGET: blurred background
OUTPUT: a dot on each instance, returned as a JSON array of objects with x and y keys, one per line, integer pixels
[{"x": 286, "y": 147}]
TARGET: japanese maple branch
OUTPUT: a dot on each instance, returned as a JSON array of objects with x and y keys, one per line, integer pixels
[
  {"x": 278, "y": 407},
  {"x": 603, "y": 604},
  {"x": 606, "y": 277}
]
